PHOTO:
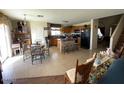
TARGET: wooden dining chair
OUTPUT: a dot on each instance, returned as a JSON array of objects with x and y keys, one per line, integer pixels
[
  {"x": 80, "y": 74},
  {"x": 26, "y": 52},
  {"x": 36, "y": 53},
  {"x": 46, "y": 49}
]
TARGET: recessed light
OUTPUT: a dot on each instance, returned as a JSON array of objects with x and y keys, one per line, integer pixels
[
  {"x": 40, "y": 16},
  {"x": 66, "y": 21}
]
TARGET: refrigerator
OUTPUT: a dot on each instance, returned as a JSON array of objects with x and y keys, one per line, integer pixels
[{"x": 85, "y": 39}]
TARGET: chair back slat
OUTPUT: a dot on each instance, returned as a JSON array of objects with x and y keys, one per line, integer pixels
[{"x": 84, "y": 70}]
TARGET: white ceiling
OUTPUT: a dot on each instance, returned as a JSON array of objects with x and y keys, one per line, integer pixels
[{"x": 59, "y": 15}]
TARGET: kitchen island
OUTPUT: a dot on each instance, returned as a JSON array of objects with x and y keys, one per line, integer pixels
[{"x": 66, "y": 45}]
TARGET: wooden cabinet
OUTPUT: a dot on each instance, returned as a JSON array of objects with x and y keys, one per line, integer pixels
[
  {"x": 58, "y": 43},
  {"x": 77, "y": 28},
  {"x": 22, "y": 38},
  {"x": 74, "y": 28},
  {"x": 53, "y": 41},
  {"x": 67, "y": 29},
  {"x": 79, "y": 42}
]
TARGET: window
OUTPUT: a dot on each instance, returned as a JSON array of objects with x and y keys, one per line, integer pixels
[{"x": 55, "y": 31}]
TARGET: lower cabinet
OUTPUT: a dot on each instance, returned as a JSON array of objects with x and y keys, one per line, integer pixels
[{"x": 53, "y": 42}]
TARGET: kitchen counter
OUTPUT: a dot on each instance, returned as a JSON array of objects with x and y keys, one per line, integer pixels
[{"x": 61, "y": 43}]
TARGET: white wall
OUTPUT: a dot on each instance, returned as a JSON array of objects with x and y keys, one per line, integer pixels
[
  {"x": 115, "y": 36},
  {"x": 93, "y": 35},
  {"x": 37, "y": 31}
]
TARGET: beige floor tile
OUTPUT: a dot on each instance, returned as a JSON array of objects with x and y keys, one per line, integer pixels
[{"x": 56, "y": 64}]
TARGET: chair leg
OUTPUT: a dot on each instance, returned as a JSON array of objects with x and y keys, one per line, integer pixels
[
  {"x": 32, "y": 63},
  {"x": 65, "y": 79},
  {"x": 44, "y": 56},
  {"x": 41, "y": 59},
  {"x": 48, "y": 52},
  {"x": 32, "y": 59},
  {"x": 23, "y": 58}
]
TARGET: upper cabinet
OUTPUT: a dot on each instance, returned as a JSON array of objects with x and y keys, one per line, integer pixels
[
  {"x": 66, "y": 29},
  {"x": 72, "y": 29},
  {"x": 77, "y": 28}
]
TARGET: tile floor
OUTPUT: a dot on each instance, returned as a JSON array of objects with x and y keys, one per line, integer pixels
[{"x": 56, "y": 64}]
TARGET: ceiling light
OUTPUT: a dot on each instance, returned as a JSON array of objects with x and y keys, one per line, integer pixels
[
  {"x": 40, "y": 16},
  {"x": 65, "y": 21}
]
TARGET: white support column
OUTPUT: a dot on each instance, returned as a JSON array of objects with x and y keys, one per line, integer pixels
[{"x": 93, "y": 34}]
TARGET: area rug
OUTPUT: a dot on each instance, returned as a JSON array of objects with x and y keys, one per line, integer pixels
[{"x": 59, "y": 79}]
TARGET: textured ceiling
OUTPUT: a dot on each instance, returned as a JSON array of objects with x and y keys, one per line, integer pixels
[{"x": 73, "y": 16}]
